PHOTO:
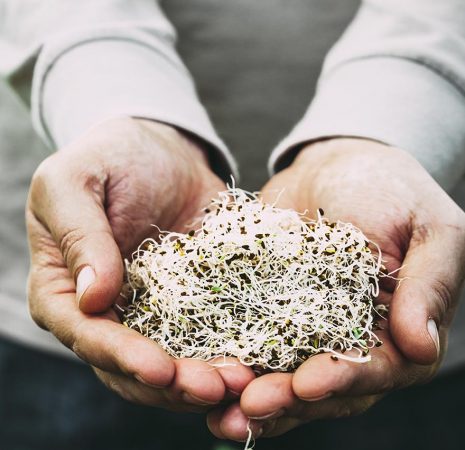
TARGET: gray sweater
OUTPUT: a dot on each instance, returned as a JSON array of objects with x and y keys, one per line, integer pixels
[{"x": 396, "y": 75}]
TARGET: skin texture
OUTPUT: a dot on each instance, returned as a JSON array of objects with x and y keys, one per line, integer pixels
[
  {"x": 421, "y": 233},
  {"x": 92, "y": 203}
]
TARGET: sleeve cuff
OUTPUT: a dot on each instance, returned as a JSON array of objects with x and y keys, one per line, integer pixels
[
  {"x": 103, "y": 78},
  {"x": 392, "y": 100}
]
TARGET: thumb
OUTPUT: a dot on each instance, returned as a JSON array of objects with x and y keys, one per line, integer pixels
[
  {"x": 424, "y": 301},
  {"x": 97, "y": 269},
  {"x": 76, "y": 219}
]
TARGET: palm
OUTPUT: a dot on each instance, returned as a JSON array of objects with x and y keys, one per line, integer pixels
[{"x": 160, "y": 184}]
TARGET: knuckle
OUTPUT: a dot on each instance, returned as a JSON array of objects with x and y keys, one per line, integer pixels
[
  {"x": 120, "y": 388},
  {"x": 38, "y": 185},
  {"x": 70, "y": 243},
  {"x": 36, "y": 317},
  {"x": 362, "y": 405},
  {"x": 76, "y": 348},
  {"x": 429, "y": 374},
  {"x": 110, "y": 381},
  {"x": 76, "y": 340},
  {"x": 33, "y": 302},
  {"x": 114, "y": 385},
  {"x": 387, "y": 384},
  {"x": 421, "y": 375},
  {"x": 343, "y": 410},
  {"x": 386, "y": 380},
  {"x": 64, "y": 335},
  {"x": 49, "y": 169},
  {"x": 43, "y": 170},
  {"x": 351, "y": 408},
  {"x": 444, "y": 296},
  {"x": 68, "y": 166}
]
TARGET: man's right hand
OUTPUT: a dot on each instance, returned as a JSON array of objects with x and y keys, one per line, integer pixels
[{"x": 91, "y": 204}]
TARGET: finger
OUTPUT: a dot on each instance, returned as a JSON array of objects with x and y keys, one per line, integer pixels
[
  {"x": 130, "y": 389},
  {"x": 272, "y": 396},
  {"x": 236, "y": 376},
  {"x": 334, "y": 408},
  {"x": 213, "y": 422},
  {"x": 99, "y": 340},
  {"x": 231, "y": 423},
  {"x": 68, "y": 201},
  {"x": 386, "y": 371},
  {"x": 425, "y": 299},
  {"x": 270, "y": 401},
  {"x": 111, "y": 346},
  {"x": 284, "y": 411},
  {"x": 269, "y": 396},
  {"x": 197, "y": 382},
  {"x": 277, "y": 427},
  {"x": 136, "y": 392}
]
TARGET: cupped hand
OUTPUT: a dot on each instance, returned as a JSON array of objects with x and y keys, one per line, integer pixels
[
  {"x": 90, "y": 205},
  {"x": 421, "y": 233}
]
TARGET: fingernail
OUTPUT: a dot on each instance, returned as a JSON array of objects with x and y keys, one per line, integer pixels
[
  {"x": 316, "y": 399},
  {"x": 234, "y": 392},
  {"x": 433, "y": 332},
  {"x": 192, "y": 399},
  {"x": 273, "y": 415},
  {"x": 85, "y": 278},
  {"x": 141, "y": 380},
  {"x": 230, "y": 394}
]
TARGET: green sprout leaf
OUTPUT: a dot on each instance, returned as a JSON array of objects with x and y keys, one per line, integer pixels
[{"x": 357, "y": 332}]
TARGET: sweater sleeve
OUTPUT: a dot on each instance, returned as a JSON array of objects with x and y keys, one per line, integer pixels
[
  {"x": 397, "y": 75},
  {"x": 79, "y": 63}
]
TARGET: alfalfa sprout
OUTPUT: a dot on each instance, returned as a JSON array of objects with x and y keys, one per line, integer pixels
[{"x": 266, "y": 285}]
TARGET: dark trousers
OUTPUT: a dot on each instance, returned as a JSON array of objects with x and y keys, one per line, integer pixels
[{"x": 52, "y": 404}]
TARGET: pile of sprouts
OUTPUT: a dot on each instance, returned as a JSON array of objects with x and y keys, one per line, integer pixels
[{"x": 266, "y": 285}]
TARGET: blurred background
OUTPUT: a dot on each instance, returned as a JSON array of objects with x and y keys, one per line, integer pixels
[{"x": 50, "y": 400}]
